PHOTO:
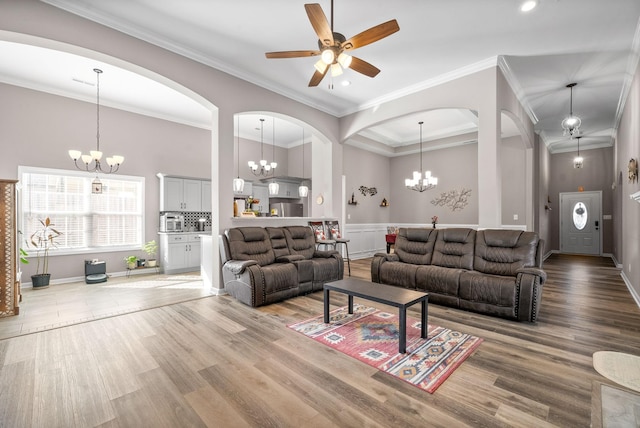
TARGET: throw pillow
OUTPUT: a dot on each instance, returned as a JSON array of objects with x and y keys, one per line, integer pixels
[{"x": 335, "y": 233}]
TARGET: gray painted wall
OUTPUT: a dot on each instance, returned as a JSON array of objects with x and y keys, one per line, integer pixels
[
  {"x": 627, "y": 211},
  {"x": 37, "y": 129},
  {"x": 456, "y": 169},
  {"x": 596, "y": 174}
]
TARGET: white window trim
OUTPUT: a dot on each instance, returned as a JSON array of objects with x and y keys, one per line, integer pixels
[{"x": 78, "y": 173}]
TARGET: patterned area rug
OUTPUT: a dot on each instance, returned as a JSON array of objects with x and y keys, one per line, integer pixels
[{"x": 371, "y": 336}]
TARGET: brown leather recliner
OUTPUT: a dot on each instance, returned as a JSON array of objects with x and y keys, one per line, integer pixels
[
  {"x": 495, "y": 272},
  {"x": 266, "y": 265}
]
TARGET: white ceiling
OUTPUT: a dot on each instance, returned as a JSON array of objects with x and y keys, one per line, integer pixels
[{"x": 592, "y": 42}]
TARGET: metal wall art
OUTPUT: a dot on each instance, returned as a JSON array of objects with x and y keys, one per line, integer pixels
[
  {"x": 455, "y": 200},
  {"x": 368, "y": 191}
]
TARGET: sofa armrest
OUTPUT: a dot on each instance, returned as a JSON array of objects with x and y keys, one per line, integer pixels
[
  {"x": 288, "y": 258},
  {"x": 388, "y": 257},
  {"x": 533, "y": 271},
  {"x": 236, "y": 267},
  {"x": 325, "y": 254},
  {"x": 378, "y": 260},
  {"x": 530, "y": 281}
]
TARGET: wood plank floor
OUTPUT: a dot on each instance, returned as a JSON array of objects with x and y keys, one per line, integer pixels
[{"x": 216, "y": 362}]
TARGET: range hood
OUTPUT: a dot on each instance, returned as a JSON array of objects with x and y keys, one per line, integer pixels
[{"x": 286, "y": 178}]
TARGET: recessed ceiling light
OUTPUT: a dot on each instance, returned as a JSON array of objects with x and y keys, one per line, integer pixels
[
  {"x": 528, "y": 5},
  {"x": 346, "y": 83}
]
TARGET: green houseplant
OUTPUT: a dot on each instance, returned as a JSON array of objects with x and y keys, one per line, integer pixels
[
  {"x": 151, "y": 248},
  {"x": 131, "y": 261},
  {"x": 43, "y": 240}
]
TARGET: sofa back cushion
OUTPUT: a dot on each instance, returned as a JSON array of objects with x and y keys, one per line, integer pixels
[
  {"x": 300, "y": 240},
  {"x": 278, "y": 241},
  {"x": 454, "y": 248},
  {"x": 251, "y": 243},
  {"x": 415, "y": 246},
  {"x": 503, "y": 252}
]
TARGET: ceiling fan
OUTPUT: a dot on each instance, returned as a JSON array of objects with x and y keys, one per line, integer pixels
[{"x": 333, "y": 47}]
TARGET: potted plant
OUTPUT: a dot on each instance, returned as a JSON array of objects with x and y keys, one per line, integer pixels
[
  {"x": 43, "y": 240},
  {"x": 131, "y": 262},
  {"x": 151, "y": 248}
]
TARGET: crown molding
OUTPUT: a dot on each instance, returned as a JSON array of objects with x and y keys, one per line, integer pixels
[{"x": 516, "y": 88}]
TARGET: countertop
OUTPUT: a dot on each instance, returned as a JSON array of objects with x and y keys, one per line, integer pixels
[{"x": 206, "y": 232}]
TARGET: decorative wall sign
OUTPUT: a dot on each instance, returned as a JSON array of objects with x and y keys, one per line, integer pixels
[
  {"x": 455, "y": 200},
  {"x": 368, "y": 191}
]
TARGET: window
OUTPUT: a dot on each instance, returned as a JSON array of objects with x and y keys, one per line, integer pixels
[
  {"x": 111, "y": 221},
  {"x": 580, "y": 216}
]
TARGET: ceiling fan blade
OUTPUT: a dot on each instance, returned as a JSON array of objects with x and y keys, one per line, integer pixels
[
  {"x": 319, "y": 23},
  {"x": 317, "y": 77},
  {"x": 363, "y": 67},
  {"x": 371, "y": 35},
  {"x": 291, "y": 54}
]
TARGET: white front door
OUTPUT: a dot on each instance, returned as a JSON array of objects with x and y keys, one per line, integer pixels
[{"x": 580, "y": 222}]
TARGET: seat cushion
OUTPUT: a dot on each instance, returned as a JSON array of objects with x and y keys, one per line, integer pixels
[
  {"x": 279, "y": 277},
  {"x": 436, "y": 279},
  {"x": 398, "y": 273},
  {"x": 483, "y": 288}
]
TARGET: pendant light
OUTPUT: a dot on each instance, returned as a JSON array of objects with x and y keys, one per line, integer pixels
[
  {"x": 238, "y": 183},
  {"x": 418, "y": 183},
  {"x": 578, "y": 160},
  {"x": 262, "y": 168},
  {"x": 92, "y": 160},
  {"x": 274, "y": 188},
  {"x": 571, "y": 123},
  {"x": 303, "y": 191}
]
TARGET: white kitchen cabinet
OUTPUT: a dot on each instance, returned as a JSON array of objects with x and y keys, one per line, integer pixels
[
  {"x": 181, "y": 194},
  {"x": 206, "y": 196},
  {"x": 288, "y": 190},
  {"x": 261, "y": 193},
  {"x": 180, "y": 252},
  {"x": 192, "y": 195}
]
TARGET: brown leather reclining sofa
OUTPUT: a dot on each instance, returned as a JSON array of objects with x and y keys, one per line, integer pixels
[
  {"x": 494, "y": 272},
  {"x": 266, "y": 265}
]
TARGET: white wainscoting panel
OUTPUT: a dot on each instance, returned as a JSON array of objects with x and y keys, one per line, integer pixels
[{"x": 368, "y": 239}]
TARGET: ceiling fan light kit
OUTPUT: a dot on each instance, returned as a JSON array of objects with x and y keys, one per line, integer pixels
[{"x": 332, "y": 46}]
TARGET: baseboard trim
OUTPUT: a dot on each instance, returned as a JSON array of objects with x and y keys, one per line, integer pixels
[{"x": 632, "y": 290}]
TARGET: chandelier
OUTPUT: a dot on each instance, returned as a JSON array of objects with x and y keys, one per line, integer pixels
[
  {"x": 238, "y": 183},
  {"x": 418, "y": 183},
  {"x": 303, "y": 191},
  {"x": 91, "y": 162},
  {"x": 571, "y": 123},
  {"x": 262, "y": 168},
  {"x": 578, "y": 160}
]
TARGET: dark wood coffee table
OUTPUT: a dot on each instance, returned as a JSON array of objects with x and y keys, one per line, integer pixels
[{"x": 398, "y": 297}]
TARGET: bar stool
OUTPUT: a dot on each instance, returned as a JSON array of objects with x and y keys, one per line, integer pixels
[
  {"x": 322, "y": 236},
  {"x": 336, "y": 235}
]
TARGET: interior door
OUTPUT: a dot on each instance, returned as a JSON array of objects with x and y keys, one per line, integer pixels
[{"x": 580, "y": 222}]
